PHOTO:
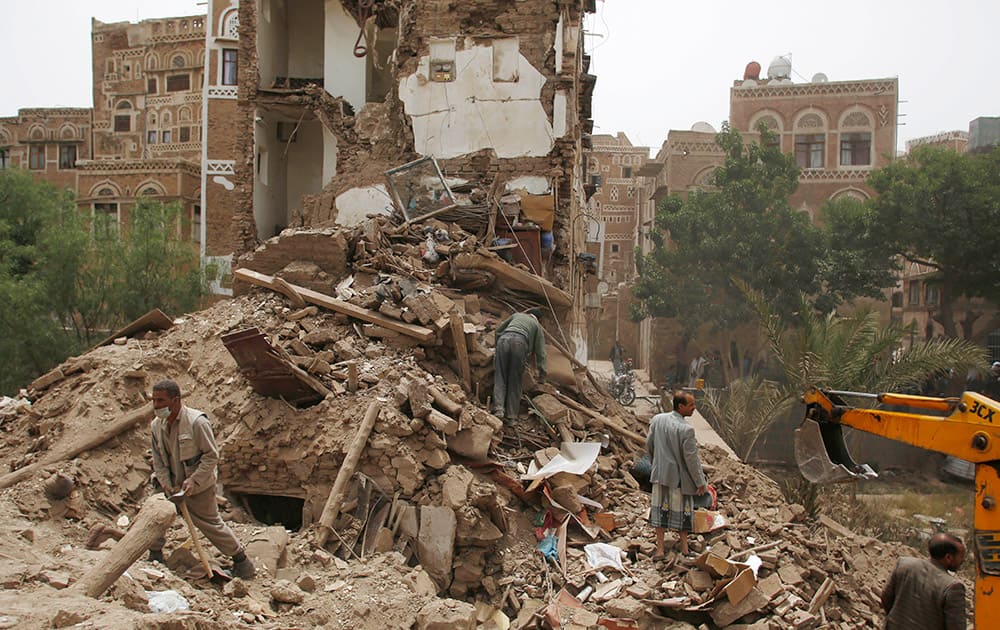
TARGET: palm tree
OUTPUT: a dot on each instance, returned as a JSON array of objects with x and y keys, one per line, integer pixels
[
  {"x": 856, "y": 352},
  {"x": 842, "y": 352}
]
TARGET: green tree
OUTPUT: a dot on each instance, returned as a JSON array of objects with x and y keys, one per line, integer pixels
[
  {"x": 941, "y": 209},
  {"x": 855, "y": 352},
  {"x": 66, "y": 280},
  {"x": 744, "y": 230},
  {"x": 32, "y": 340}
]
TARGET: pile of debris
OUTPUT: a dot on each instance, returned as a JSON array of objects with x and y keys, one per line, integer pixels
[{"x": 349, "y": 394}]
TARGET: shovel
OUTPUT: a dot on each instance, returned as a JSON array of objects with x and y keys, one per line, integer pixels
[{"x": 212, "y": 572}]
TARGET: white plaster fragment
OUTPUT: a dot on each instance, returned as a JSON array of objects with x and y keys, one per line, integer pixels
[{"x": 354, "y": 205}]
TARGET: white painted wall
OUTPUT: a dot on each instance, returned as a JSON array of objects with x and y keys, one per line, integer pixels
[
  {"x": 305, "y": 48},
  {"x": 534, "y": 184},
  {"x": 344, "y": 74},
  {"x": 329, "y": 155},
  {"x": 559, "y": 112},
  {"x": 355, "y": 204},
  {"x": 472, "y": 112},
  {"x": 269, "y": 199},
  {"x": 272, "y": 43},
  {"x": 304, "y": 164}
]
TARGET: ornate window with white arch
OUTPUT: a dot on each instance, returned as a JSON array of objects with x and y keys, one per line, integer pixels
[
  {"x": 855, "y": 130},
  {"x": 810, "y": 140},
  {"x": 229, "y": 25}
]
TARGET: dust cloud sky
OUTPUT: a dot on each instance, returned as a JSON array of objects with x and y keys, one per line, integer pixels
[{"x": 660, "y": 64}]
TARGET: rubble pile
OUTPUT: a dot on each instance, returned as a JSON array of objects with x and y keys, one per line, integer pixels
[{"x": 449, "y": 519}]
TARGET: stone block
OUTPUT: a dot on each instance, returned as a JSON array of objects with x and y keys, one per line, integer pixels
[
  {"x": 436, "y": 542},
  {"x": 446, "y": 614}
]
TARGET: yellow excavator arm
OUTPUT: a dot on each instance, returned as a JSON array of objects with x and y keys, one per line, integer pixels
[{"x": 967, "y": 427}]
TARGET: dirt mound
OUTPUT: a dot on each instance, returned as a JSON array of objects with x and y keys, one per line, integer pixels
[{"x": 436, "y": 526}]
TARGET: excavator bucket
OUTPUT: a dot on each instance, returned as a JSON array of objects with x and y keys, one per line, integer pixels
[{"x": 822, "y": 455}]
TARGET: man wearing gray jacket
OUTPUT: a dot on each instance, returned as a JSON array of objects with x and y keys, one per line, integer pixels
[
  {"x": 677, "y": 476},
  {"x": 185, "y": 459}
]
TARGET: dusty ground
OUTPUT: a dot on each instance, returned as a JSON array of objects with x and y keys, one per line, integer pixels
[{"x": 43, "y": 540}]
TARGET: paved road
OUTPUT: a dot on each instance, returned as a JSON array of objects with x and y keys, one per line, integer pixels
[{"x": 603, "y": 370}]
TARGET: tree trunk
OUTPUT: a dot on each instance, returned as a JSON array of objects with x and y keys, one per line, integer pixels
[{"x": 150, "y": 524}]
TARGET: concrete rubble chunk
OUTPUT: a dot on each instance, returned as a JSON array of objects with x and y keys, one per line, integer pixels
[
  {"x": 446, "y": 614},
  {"x": 286, "y": 592},
  {"x": 436, "y": 542}
]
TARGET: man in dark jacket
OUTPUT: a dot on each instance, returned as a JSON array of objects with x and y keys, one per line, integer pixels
[
  {"x": 922, "y": 594},
  {"x": 517, "y": 337}
]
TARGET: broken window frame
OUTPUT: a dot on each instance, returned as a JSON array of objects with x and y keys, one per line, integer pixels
[{"x": 440, "y": 197}]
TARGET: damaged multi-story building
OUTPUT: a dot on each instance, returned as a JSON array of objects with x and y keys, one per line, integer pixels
[{"x": 331, "y": 95}]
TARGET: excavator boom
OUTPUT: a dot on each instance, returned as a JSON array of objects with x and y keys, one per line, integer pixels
[{"x": 967, "y": 427}]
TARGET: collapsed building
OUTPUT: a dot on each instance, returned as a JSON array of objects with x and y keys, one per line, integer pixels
[
  {"x": 347, "y": 383},
  {"x": 348, "y": 378}
]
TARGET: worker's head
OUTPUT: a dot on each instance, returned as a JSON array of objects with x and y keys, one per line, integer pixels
[
  {"x": 166, "y": 399},
  {"x": 995, "y": 368},
  {"x": 535, "y": 312},
  {"x": 684, "y": 403},
  {"x": 946, "y": 550}
]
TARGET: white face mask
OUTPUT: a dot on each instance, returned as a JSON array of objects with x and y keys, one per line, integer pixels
[{"x": 162, "y": 413}]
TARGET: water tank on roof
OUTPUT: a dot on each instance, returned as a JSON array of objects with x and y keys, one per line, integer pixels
[
  {"x": 780, "y": 68},
  {"x": 752, "y": 71},
  {"x": 819, "y": 77}
]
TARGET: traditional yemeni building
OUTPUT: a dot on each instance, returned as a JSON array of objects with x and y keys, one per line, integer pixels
[
  {"x": 143, "y": 135},
  {"x": 146, "y": 118},
  {"x": 616, "y": 207},
  {"x": 839, "y": 131},
  {"x": 47, "y": 142},
  {"x": 957, "y": 141}
]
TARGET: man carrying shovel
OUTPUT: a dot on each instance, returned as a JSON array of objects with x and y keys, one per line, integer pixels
[{"x": 185, "y": 460}]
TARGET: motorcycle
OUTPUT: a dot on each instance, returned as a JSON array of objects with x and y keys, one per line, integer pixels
[{"x": 622, "y": 385}]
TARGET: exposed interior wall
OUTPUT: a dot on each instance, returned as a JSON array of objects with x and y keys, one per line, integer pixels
[
  {"x": 305, "y": 47},
  {"x": 270, "y": 192},
  {"x": 329, "y": 155},
  {"x": 473, "y": 112},
  {"x": 303, "y": 165},
  {"x": 272, "y": 41},
  {"x": 344, "y": 74}
]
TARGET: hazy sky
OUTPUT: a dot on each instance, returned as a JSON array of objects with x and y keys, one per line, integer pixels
[
  {"x": 661, "y": 64},
  {"x": 664, "y": 65}
]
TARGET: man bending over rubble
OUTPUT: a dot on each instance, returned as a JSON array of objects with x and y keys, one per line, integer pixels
[
  {"x": 518, "y": 336},
  {"x": 676, "y": 472},
  {"x": 185, "y": 459},
  {"x": 922, "y": 594}
]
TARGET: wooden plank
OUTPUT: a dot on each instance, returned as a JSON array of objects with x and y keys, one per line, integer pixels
[
  {"x": 153, "y": 320},
  {"x": 614, "y": 426},
  {"x": 319, "y": 299},
  {"x": 79, "y": 442},
  {"x": 461, "y": 349},
  {"x": 339, "y": 490},
  {"x": 514, "y": 278},
  {"x": 151, "y": 523}
]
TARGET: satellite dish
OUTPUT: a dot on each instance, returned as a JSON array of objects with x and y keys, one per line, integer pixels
[
  {"x": 780, "y": 68},
  {"x": 702, "y": 127},
  {"x": 748, "y": 83},
  {"x": 819, "y": 77},
  {"x": 602, "y": 288}
]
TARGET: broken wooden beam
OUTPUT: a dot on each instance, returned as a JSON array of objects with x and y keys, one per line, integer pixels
[
  {"x": 340, "y": 306},
  {"x": 447, "y": 404},
  {"x": 620, "y": 430},
  {"x": 79, "y": 444},
  {"x": 332, "y": 508},
  {"x": 513, "y": 278},
  {"x": 151, "y": 524}
]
